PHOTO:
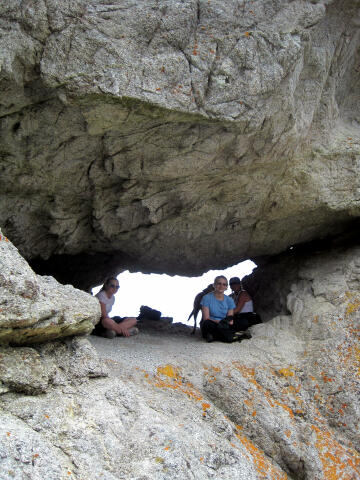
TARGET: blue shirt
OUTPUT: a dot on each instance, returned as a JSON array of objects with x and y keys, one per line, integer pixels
[{"x": 218, "y": 308}]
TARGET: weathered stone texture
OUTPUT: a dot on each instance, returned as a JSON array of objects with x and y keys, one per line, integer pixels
[
  {"x": 34, "y": 309},
  {"x": 140, "y": 133},
  {"x": 282, "y": 405},
  {"x": 176, "y": 136}
]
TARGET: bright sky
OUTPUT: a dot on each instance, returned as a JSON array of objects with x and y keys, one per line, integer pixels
[{"x": 173, "y": 296}]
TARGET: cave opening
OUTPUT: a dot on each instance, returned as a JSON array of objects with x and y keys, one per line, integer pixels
[{"x": 172, "y": 295}]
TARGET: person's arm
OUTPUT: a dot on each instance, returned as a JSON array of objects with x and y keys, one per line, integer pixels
[
  {"x": 230, "y": 313},
  {"x": 109, "y": 323},
  {"x": 104, "y": 315},
  {"x": 243, "y": 298},
  {"x": 205, "y": 313}
]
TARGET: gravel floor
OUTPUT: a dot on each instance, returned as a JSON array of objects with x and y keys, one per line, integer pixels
[{"x": 174, "y": 344}]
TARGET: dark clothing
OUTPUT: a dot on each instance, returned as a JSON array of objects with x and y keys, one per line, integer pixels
[
  {"x": 242, "y": 321},
  {"x": 100, "y": 330},
  {"x": 218, "y": 333}
]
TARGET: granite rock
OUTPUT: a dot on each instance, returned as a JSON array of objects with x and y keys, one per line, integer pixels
[
  {"x": 139, "y": 134},
  {"x": 35, "y": 309},
  {"x": 282, "y": 405}
]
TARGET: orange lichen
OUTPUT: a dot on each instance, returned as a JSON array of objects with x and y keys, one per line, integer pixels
[
  {"x": 174, "y": 381},
  {"x": 168, "y": 370},
  {"x": 249, "y": 373},
  {"x": 337, "y": 463},
  {"x": 352, "y": 307},
  {"x": 261, "y": 463},
  {"x": 286, "y": 408},
  {"x": 286, "y": 372}
]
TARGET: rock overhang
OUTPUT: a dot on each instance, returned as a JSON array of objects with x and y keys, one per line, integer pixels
[{"x": 141, "y": 163}]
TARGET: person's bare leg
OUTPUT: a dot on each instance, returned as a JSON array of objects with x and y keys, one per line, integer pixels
[
  {"x": 128, "y": 323},
  {"x": 119, "y": 328}
]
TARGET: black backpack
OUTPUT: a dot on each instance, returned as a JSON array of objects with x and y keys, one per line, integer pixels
[{"x": 148, "y": 313}]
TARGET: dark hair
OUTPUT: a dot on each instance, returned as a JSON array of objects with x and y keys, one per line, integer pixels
[
  {"x": 219, "y": 276},
  {"x": 107, "y": 282}
]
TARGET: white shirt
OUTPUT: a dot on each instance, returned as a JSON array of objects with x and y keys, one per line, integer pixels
[
  {"x": 248, "y": 307},
  {"x": 108, "y": 302}
]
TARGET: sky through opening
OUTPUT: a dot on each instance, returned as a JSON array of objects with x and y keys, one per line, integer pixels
[{"x": 173, "y": 296}]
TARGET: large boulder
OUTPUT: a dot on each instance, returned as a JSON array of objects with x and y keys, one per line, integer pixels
[
  {"x": 35, "y": 309},
  {"x": 282, "y": 405},
  {"x": 175, "y": 136}
]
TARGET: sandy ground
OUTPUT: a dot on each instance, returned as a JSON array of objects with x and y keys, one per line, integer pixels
[{"x": 159, "y": 344}]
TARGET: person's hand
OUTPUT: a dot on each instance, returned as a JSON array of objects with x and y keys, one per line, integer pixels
[{"x": 124, "y": 332}]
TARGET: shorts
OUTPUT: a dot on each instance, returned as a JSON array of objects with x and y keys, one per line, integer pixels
[
  {"x": 118, "y": 319},
  {"x": 99, "y": 329}
]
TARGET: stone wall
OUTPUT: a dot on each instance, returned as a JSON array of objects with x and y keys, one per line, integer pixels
[
  {"x": 140, "y": 135},
  {"x": 34, "y": 309},
  {"x": 165, "y": 404}
]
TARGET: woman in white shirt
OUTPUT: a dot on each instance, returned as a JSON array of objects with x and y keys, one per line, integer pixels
[
  {"x": 243, "y": 301},
  {"x": 110, "y": 327}
]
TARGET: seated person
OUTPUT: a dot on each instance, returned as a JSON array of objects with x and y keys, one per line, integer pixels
[
  {"x": 110, "y": 327},
  {"x": 215, "y": 306},
  {"x": 244, "y": 315}
]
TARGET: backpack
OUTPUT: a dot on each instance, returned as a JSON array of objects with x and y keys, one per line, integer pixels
[{"x": 148, "y": 313}]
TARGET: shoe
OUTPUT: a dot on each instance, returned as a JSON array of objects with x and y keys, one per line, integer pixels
[
  {"x": 109, "y": 333},
  {"x": 133, "y": 331},
  {"x": 237, "y": 337},
  {"x": 209, "y": 338}
]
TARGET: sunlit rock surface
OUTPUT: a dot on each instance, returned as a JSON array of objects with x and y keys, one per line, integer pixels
[
  {"x": 282, "y": 405},
  {"x": 35, "y": 309},
  {"x": 175, "y": 136}
]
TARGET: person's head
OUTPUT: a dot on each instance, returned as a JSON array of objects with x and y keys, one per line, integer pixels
[
  {"x": 111, "y": 285},
  {"x": 235, "y": 284},
  {"x": 220, "y": 283}
]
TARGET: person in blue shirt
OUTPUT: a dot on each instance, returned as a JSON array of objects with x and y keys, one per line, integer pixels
[{"x": 215, "y": 306}]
